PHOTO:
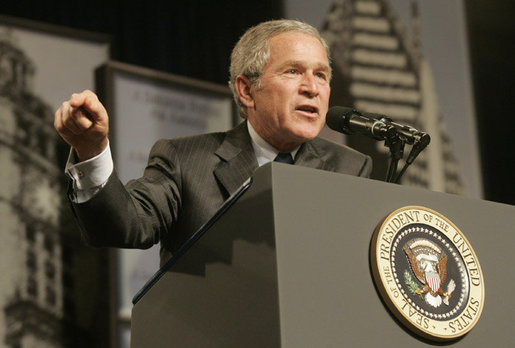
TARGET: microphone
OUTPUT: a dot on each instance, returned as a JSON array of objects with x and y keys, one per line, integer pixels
[
  {"x": 349, "y": 121},
  {"x": 410, "y": 135}
]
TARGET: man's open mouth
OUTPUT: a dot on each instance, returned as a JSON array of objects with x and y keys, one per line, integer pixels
[{"x": 308, "y": 108}]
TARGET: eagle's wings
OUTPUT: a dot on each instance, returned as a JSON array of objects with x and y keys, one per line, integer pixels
[
  {"x": 442, "y": 269},
  {"x": 420, "y": 274}
]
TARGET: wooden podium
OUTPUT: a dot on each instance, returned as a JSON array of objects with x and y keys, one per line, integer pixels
[{"x": 287, "y": 265}]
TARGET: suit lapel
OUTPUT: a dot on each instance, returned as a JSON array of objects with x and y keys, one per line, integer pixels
[
  {"x": 238, "y": 160},
  {"x": 309, "y": 156}
]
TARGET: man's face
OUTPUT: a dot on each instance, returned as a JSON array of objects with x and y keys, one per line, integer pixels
[{"x": 290, "y": 106}]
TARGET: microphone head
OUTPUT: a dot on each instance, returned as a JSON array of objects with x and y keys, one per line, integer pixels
[{"x": 337, "y": 118}]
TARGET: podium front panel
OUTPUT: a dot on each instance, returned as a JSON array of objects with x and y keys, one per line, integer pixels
[{"x": 288, "y": 266}]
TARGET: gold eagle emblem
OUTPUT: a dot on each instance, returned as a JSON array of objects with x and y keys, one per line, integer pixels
[{"x": 429, "y": 264}]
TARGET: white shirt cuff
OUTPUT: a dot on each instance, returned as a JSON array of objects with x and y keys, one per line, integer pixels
[{"x": 89, "y": 176}]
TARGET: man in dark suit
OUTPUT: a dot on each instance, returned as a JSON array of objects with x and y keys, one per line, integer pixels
[{"x": 280, "y": 75}]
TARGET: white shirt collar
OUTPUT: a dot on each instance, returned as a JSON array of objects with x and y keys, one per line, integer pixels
[{"x": 264, "y": 151}]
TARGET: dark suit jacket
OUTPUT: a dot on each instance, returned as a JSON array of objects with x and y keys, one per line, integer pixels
[{"x": 185, "y": 182}]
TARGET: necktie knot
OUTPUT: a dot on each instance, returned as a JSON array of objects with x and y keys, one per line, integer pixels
[{"x": 284, "y": 157}]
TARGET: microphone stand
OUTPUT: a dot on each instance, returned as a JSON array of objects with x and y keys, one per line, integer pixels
[
  {"x": 420, "y": 144},
  {"x": 396, "y": 145},
  {"x": 401, "y": 173}
]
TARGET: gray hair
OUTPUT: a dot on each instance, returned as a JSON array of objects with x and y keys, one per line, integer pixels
[{"x": 252, "y": 51}]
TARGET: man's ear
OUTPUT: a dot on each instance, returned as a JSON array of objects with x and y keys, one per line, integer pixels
[{"x": 244, "y": 88}]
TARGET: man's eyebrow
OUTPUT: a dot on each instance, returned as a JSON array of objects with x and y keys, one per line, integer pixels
[
  {"x": 290, "y": 63},
  {"x": 324, "y": 67}
]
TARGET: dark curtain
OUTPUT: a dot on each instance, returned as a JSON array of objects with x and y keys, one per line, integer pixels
[
  {"x": 192, "y": 38},
  {"x": 491, "y": 33}
]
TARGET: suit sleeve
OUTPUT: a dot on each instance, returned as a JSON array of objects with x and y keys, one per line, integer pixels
[{"x": 138, "y": 214}]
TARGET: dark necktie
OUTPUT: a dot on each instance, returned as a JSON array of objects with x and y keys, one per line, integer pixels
[{"x": 284, "y": 157}]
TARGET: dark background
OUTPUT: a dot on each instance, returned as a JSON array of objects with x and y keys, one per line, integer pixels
[{"x": 194, "y": 38}]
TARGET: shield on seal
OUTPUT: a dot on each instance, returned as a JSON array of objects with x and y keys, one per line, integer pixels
[{"x": 433, "y": 280}]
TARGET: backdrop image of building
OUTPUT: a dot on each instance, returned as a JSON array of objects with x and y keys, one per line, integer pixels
[
  {"x": 31, "y": 292},
  {"x": 379, "y": 67},
  {"x": 44, "y": 265}
]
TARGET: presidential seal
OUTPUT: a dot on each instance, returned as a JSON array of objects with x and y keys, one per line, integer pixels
[{"x": 427, "y": 273}]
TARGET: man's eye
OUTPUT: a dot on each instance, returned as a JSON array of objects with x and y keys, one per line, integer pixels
[
  {"x": 292, "y": 71},
  {"x": 322, "y": 76}
]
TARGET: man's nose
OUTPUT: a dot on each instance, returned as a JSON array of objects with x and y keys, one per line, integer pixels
[{"x": 309, "y": 85}]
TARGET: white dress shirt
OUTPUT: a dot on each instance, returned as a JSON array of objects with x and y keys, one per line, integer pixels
[{"x": 264, "y": 151}]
